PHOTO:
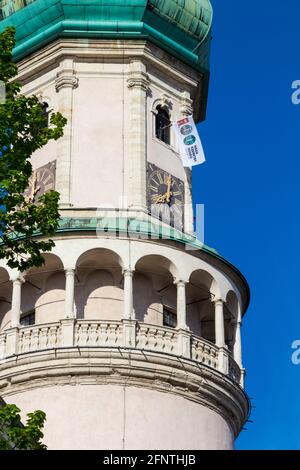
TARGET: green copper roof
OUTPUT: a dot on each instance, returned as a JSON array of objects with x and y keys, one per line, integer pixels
[{"x": 182, "y": 27}]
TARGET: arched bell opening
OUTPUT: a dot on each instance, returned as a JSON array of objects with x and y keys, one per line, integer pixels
[
  {"x": 202, "y": 289},
  {"x": 99, "y": 285},
  {"x": 43, "y": 292},
  {"x": 154, "y": 292},
  {"x": 230, "y": 319}
]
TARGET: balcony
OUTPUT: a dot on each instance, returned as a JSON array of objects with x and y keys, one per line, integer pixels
[{"x": 117, "y": 335}]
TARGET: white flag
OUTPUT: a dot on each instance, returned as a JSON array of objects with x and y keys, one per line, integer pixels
[{"x": 191, "y": 150}]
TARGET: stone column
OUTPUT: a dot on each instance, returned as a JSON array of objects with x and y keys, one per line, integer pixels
[
  {"x": 69, "y": 293},
  {"x": 16, "y": 302},
  {"x": 181, "y": 305},
  {"x": 128, "y": 295},
  {"x": 68, "y": 322},
  {"x": 219, "y": 324},
  {"x": 237, "y": 347},
  {"x": 223, "y": 359},
  {"x": 184, "y": 337},
  {"x": 65, "y": 83},
  {"x": 129, "y": 314},
  {"x": 12, "y": 334},
  {"x": 138, "y": 84}
]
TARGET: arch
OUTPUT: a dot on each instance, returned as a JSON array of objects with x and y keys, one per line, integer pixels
[
  {"x": 99, "y": 290},
  {"x": 146, "y": 301},
  {"x": 43, "y": 290},
  {"x": 232, "y": 304},
  {"x": 204, "y": 280},
  {"x": 231, "y": 314},
  {"x": 49, "y": 305},
  {"x": 99, "y": 257},
  {"x": 202, "y": 289},
  {"x": 154, "y": 287},
  {"x": 99, "y": 296},
  {"x": 163, "y": 124},
  {"x": 156, "y": 264},
  {"x": 52, "y": 263}
]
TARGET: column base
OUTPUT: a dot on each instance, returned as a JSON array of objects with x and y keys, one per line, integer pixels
[
  {"x": 12, "y": 341},
  {"x": 223, "y": 361},
  {"x": 184, "y": 342},
  {"x": 67, "y": 332},
  {"x": 129, "y": 333}
]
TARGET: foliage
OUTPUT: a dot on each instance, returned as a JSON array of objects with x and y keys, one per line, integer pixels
[
  {"x": 22, "y": 132},
  {"x": 15, "y": 436}
]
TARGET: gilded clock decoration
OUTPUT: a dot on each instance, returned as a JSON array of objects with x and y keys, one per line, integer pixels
[
  {"x": 41, "y": 181},
  {"x": 165, "y": 196}
]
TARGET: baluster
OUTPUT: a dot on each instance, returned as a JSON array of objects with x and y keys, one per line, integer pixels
[
  {"x": 151, "y": 338},
  {"x": 43, "y": 338},
  {"x": 143, "y": 336},
  {"x": 84, "y": 334},
  {"x": 93, "y": 337},
  {"x": 102, "y": 334},
  {"x": 159, "y": 339},
  {"x": 168, "y": 341},
  {"x": 115, "y": 335},
  {"x": 52, "y": 337},
  {"x": 26, "y": 340},
  {"x": 111, "y": 334},
  {"x": 35, "y": 339}
]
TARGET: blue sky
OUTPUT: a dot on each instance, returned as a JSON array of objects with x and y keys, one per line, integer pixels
[{"x": 250, "y": 188}]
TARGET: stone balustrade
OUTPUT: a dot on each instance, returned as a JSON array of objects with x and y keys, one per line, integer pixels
[
  {"x": 156, "y": 338},
  {"x": 70, "y": 333}
]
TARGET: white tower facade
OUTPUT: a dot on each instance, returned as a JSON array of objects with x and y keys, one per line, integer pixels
[{"x": 129, "y": 336}]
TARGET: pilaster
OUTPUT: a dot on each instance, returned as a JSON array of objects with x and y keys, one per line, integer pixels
[
  {"x": 138, "y": 84},
  {"x": 65, "y": 84}
]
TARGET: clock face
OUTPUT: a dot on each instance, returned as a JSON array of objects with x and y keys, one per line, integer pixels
[
  {"x": 41, "y": 181},
  {"x": 165, "y": 196}
]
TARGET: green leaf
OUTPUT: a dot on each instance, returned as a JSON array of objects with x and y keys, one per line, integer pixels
[{"x": 22, "y": 132}]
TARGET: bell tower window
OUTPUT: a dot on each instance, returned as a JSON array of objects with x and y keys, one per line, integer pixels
[
  {"x": 28, "y": 318},
  {"x": 162, "y": 125},
  {"x": 169, "y": 318}
]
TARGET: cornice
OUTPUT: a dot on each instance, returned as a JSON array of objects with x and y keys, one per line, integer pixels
[
  {"x": 50, "y": 56},
  {"x": 99, "y": 366}
]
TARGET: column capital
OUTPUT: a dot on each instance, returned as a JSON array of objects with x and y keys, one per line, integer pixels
[
  {"x": 70, "y": 271},
  {"x": 128, "y": 272},
  {"x": 186, "y": 103},
  {"x": 66, "y": 81},
  {"x": 139, "y": 80},
  {"x": 180, "y": 282},
  {"x": 218, "y": 301},
  {"x": 19, "y": 278}
]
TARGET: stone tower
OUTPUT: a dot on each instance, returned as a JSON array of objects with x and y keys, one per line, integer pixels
[{"x": 129, "y": 336}]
